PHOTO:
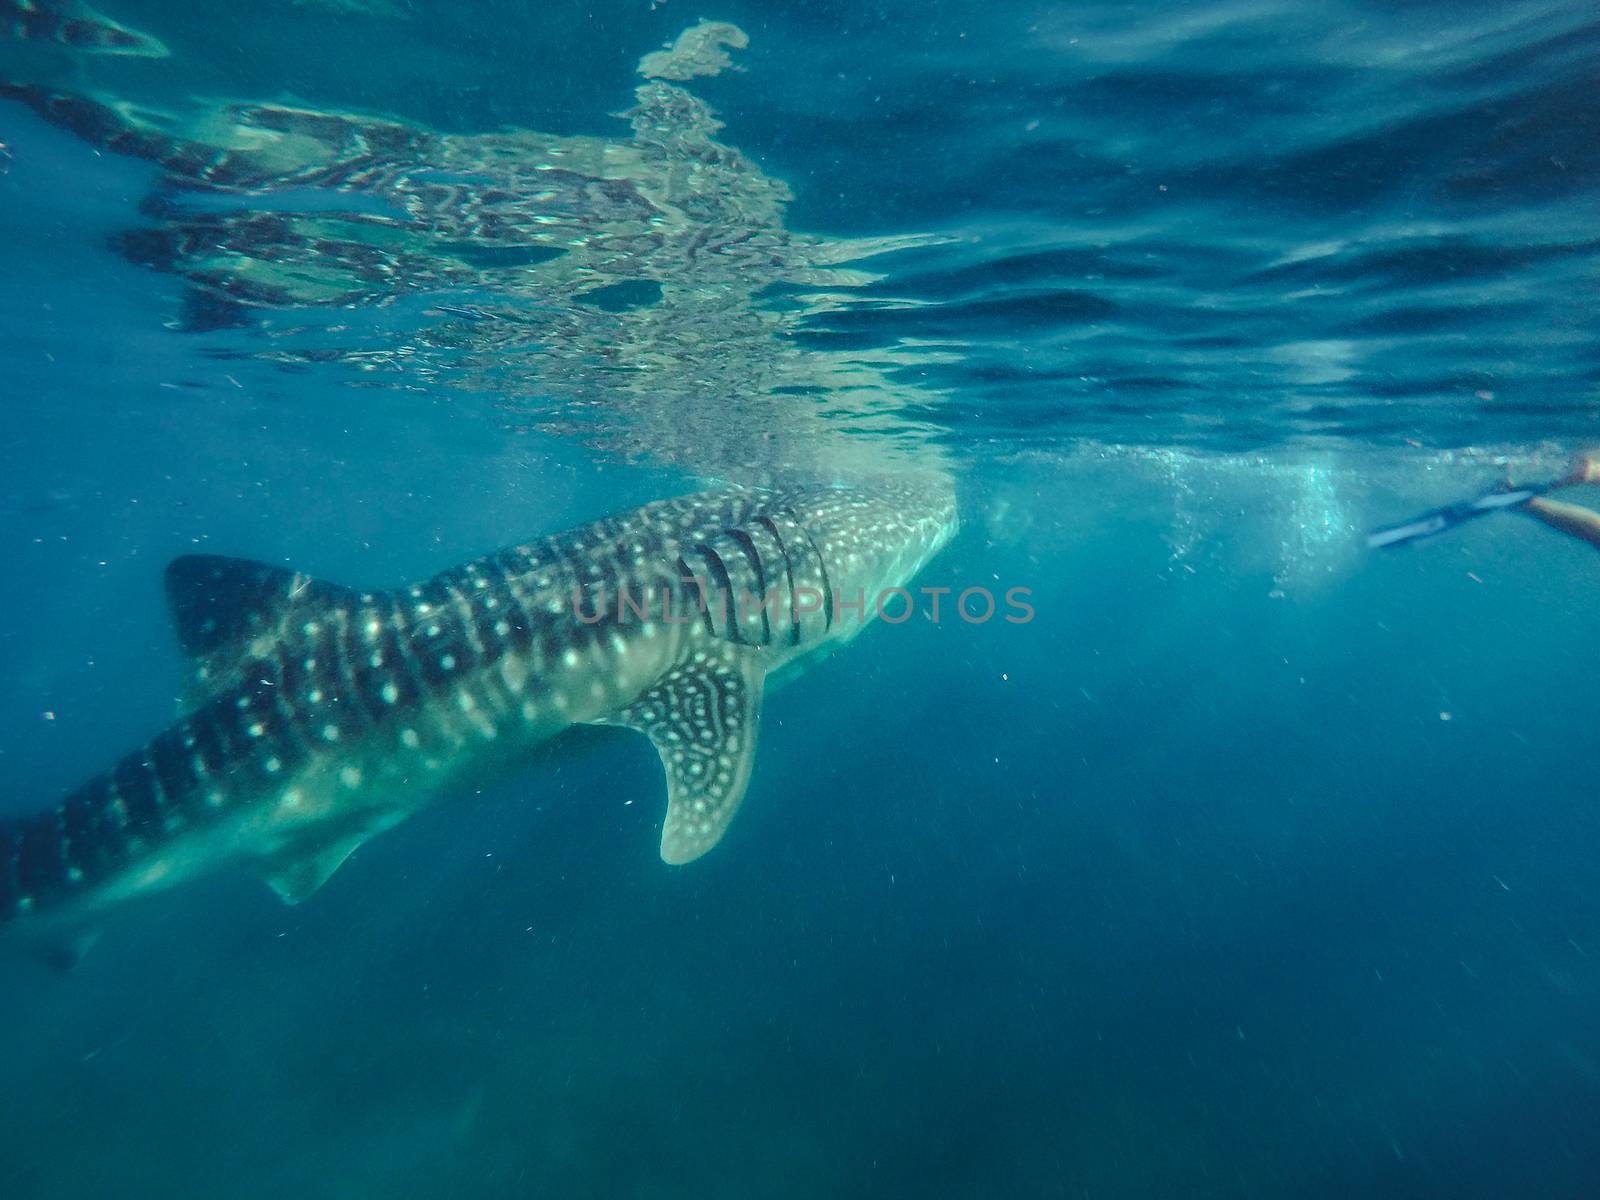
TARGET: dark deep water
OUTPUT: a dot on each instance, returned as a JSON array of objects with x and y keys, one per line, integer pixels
[{"x": 1254, "y": 865}]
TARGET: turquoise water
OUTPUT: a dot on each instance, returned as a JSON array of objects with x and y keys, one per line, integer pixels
[{"x": 1254, "y": 865}]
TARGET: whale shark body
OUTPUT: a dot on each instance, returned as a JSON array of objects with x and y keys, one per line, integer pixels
[{"x": 327, "y": 715}]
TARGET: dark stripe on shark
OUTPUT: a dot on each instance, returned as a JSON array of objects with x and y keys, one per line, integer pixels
[
  {"x": 41, "y": 860},
  {"x": 391, "y": 683},
  {"x": 479, "y": 597},
  {"x": 135, "y": 793},
  {"x": 244, "y": 737},
  {"x": 599, "y": 569},
  {"x": 502, "y": 570},
  {"x": 211, "y": 752},
  {"x": 174, "y": 764},
  {"x": 97, "y": 837},
  {"x": 135, "y": 782},
  {"x": 31, "y": 864},
  {"x": 346, "y": 657},
  {"x": 488, "y": 619},
  {"x": 408, "y": 680},
  {"x": 308, "y": 667},
  {"x": 295, "y": 679},
  {"x": 439, "y": 645},
  {"x": 260, "y": 731},
  {"x": 80, "y": 841}
]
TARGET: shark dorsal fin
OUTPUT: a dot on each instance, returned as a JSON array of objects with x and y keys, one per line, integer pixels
[
  {"x": 702, "y": 719},
  {"x": 221, "y": 606}
]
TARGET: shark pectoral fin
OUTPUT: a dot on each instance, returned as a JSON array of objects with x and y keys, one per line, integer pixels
[
  {"x": 297, "y": 877},
  {"x": 702, "y": 719},
  {"x": 220, "y": 606}
]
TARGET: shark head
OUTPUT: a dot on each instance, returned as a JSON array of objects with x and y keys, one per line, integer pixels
[
  {"x": 878, "y": 537},
  {"x": 871, "y": 543}
]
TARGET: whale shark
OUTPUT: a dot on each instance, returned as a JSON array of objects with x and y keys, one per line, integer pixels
[{"x": 323, "y": 715}]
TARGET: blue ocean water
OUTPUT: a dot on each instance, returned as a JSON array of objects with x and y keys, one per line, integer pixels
[{"x": 1256, "y": 864}]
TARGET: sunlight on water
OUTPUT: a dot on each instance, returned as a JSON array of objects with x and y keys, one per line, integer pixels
[{"x": 1321, "y": 537}]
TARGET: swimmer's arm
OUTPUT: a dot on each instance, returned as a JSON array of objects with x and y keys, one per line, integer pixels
[
  {"x": 1572, "y": 519},
  {"x": 1585, "y": 469}
]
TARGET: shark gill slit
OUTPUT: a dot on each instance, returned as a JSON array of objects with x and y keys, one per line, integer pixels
[
  {"x": 722, "y": 584},
  {"x": 822, "y": 565},
  {"x": 692, "y": 584},
  {"x": 771, "y": 527},
  {"x": 746, "y": 543}
]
